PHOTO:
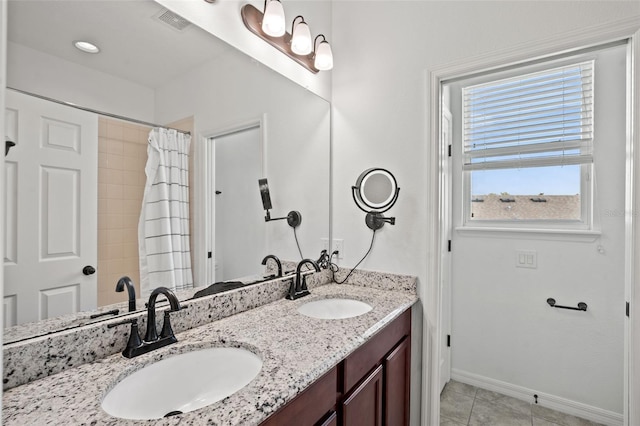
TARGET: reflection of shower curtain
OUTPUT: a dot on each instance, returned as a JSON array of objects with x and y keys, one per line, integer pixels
[{"x": 163, "y": 230}]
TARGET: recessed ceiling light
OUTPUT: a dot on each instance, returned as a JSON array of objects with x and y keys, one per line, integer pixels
[{"x": 85, "y": 46}]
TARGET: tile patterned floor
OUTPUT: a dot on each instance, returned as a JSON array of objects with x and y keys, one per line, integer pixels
[{"x": 466, "y": 405}]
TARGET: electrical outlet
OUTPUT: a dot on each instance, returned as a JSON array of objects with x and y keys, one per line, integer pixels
[{"x": 338, "y": 244}]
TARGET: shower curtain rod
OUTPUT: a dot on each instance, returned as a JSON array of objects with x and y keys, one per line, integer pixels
[{"x": 106, "y": 114}]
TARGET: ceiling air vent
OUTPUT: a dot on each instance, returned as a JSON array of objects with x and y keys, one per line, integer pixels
[{"x": 175, "y": 21}]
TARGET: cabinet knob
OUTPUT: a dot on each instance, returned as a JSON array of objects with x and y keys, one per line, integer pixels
[{"x": 88, "y": 270}]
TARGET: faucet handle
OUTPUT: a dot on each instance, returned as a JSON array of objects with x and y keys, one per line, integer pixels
[
  {"x": 167, "y": 331},
  {"x": 303, "y": 285},
  {"x": 134, "y": 341}
]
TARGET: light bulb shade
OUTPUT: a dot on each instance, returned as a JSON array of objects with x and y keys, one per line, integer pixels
[
  {"x": 273, "y": 21},
  {"x": 324, "y": 57},
  {"x": 301, "y": 39}
]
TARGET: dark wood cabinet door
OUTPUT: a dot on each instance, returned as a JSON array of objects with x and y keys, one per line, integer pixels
[
  {"x": 332, "y": 420},
  {"x": 364, "y": 406},
  {"x": 312, "y": 405},
  {"x": 397, "y": 381},
  {"x": 370, "y": 354}
]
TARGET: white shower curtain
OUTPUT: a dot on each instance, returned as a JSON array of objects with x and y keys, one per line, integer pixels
[{"x": 163, "y": 230}]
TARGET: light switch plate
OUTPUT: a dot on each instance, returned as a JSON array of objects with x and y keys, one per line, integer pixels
[{"x": 526, "y": 259}]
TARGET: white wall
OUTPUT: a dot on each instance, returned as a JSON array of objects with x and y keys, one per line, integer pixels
[
  {"x": 43, "y": 74},
  {"x": 382, "y": 52},
  {"x": 223, "y": 20}
]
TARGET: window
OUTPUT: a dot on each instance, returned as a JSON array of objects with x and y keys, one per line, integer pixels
[{"x": 528, "y": 148}]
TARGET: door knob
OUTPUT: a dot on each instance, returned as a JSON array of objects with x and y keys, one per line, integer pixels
[{"x": 88, "y": 270}]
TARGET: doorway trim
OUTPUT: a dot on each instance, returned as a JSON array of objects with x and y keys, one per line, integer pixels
[
  {"x": 203, "y": 267},
  {"x": 437, "y": 207}
]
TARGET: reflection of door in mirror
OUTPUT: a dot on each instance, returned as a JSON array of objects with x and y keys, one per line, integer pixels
[
  {"x": 119, "y": 149},
  {"x": 51, "y": 212},
  {"x": 239, "y": 232}
]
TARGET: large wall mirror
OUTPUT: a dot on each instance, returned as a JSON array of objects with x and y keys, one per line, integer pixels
[{"x": 247, "y": 122}]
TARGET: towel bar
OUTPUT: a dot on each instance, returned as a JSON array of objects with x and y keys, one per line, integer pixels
[{"x": 581, "y": 306}]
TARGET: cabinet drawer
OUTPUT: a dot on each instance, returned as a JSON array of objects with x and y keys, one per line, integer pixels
[
  {"x": 311, "y": 405},
  {"x": 370, "y": 354}
]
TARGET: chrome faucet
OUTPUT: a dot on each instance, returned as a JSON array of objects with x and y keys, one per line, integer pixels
[
  {"x": 151, "y": 341},
  {"x": 131, "y": 290},
  {"x": 275, "y": 258},
  {"x": 298, "y": 288}
]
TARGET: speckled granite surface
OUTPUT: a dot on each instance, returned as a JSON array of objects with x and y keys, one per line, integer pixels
[
  {"x": 80, "y": 319},
  {"x": 380, "y": 280},
  {"x": 296, "y": 350},
  {"x": 42, "y": 356}
]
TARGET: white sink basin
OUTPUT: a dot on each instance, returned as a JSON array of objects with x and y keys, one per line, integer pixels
[
  {"x": 182, "y": 383},
  {"x": 334, "y": 308}
]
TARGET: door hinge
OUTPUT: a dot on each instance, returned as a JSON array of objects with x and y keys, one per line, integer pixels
[
  {"x": 449, "y": 245},
  {"x": 209, "y": 255},
  {"x": 627, "y": 308},
  {"x": 449, "y": 148},
  {"x": 448, "y": 340}
]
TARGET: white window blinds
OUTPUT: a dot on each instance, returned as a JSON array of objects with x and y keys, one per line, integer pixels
[{"x": 534, "y": 120}]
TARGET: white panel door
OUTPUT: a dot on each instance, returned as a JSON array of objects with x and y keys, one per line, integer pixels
[
  {"x": 446, "y": 129},
  {"x": 238, "y": 206},
  {"x": 51, "y": 209}
]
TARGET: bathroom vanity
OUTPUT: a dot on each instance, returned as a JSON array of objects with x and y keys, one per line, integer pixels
[
  {"x": 314, "y": 371},
  {"x": 369, "y": 385}
]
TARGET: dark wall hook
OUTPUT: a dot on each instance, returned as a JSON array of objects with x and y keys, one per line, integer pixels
[{"x": 581, "y": 306}]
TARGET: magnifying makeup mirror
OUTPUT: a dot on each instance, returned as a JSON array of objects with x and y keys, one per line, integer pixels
[
  {"x": 294, "y": 218},
  {"x": 376, "y": 191}
]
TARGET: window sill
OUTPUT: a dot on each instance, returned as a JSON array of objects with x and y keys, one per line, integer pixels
[{"x": 580, "y": 235}]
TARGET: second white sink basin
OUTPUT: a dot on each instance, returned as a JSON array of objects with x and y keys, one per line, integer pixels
[
  {"x": 182, "y": 383},
  {"x": 334, "y": 308}
]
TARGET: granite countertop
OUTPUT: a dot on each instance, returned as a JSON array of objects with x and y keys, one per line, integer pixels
[{"x": 295, "y": 349}]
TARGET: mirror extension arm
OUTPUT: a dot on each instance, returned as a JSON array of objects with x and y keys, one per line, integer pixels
[
  {"x": 294, "y": 218},
  {"x": 376, "y": 220}
]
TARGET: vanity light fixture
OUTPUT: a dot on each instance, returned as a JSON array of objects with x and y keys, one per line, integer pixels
[
  {"x": 273, "y": 21},
  {"x": 298, "y": 46},
  {"x": 323, "y": 55},
  {"x": 300, "y": 37},
  {"x": 86, "y": 47}
]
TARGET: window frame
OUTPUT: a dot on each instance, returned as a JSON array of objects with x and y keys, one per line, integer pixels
[{"x": 588, "y": 224}]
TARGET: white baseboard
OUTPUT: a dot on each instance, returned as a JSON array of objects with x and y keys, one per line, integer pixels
[{"x": 553, "y": 402}]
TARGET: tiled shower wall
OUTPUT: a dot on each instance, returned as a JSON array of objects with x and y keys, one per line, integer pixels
[{"x": 122, "y": 155}]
